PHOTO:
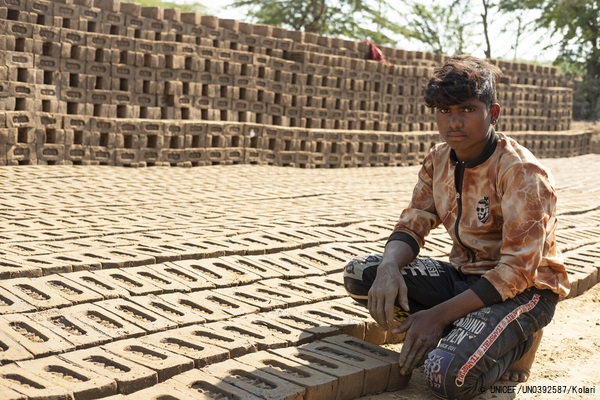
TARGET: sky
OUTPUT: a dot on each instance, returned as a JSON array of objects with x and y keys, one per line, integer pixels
[{"x": 528, "y": 49}]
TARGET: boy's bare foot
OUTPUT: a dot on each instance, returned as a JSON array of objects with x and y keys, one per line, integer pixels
[{"x": 519, "y": 371}]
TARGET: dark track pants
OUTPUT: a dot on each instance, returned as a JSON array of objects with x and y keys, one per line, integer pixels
[{"x": 476, "y": 349}]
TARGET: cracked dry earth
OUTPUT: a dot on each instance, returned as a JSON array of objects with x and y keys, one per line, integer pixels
[{"x": 172, "y": 283}]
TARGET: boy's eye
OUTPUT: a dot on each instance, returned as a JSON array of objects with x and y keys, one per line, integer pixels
[
  {"x": 469, "y": 109},
  {"x": 444, "y": 110}
]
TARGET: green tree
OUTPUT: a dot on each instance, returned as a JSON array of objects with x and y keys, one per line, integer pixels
[
  {"x": 352, "y": 19},
  {"x": 442, "y": 28},
  {"x": 576, "y": 26}
]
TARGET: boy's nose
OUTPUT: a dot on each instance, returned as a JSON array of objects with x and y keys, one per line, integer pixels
[{"x": 454, "y": 121}]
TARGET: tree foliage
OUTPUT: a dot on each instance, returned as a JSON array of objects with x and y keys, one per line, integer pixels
[
  {"x": 443, "y": 28},
  {"x": 576, "y": 26},
  {"x": 352, "y": 19}
]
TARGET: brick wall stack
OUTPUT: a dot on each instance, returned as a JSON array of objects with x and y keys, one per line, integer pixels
[{"x": 109, "y": 83}]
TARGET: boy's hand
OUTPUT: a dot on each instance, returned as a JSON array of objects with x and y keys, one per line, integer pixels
[
  {"x": 388, "y": 287},
  {"x": 424, "y": 330}
]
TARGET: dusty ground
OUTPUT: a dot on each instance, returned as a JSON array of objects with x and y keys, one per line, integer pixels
[{"x": 568, "y": 356}]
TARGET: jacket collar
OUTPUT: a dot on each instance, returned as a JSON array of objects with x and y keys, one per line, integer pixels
[{"x": 487, "y": 152}]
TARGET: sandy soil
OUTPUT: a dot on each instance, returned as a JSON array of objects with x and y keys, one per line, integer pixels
[{"x": 569, "y": 355}]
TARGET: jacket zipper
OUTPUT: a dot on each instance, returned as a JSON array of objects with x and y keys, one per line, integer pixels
[{"x": 459, "y": 174}]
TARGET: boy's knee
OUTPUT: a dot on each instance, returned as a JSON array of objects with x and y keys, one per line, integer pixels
[
  {"x": 442, "y": 379},
  {"x": 359, "y": 273}
]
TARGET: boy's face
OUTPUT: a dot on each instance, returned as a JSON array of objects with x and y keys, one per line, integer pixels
[{"x": 466, "y": 126}]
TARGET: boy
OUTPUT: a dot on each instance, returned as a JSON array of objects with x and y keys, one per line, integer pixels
[{"x": 505, "y": 275}]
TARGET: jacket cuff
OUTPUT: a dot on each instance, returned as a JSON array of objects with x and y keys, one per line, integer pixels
[
  {"x": 486, "y": 292},
  {"x": 406, "y": 238}
]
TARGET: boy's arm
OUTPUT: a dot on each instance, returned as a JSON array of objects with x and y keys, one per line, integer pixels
[
  {"x": 389, "y": 284},
  {"x": 427, "y": 327}
]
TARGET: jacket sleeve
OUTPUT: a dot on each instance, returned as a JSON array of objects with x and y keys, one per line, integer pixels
[
  {"x": 420, "y": 217},
  {"x": 528, "y": 209}
]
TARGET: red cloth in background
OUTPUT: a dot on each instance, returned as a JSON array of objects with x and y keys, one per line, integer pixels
[{"x": 376, "y": 54}]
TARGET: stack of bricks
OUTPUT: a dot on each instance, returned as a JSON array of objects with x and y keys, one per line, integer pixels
[{"x": 100, "y": 82}]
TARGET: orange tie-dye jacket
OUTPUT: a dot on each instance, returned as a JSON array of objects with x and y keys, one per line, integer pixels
[{"x": 500, "y": 212}]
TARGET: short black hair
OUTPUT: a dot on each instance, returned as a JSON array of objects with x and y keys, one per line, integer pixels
[{"x": 462, "y": 78}]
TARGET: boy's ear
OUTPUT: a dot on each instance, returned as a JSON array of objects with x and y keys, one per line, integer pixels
[{"x": 495, "y": 111}]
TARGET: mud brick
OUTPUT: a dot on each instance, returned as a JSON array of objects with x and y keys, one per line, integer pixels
[
  {"x": 67, "y": 262},
  {"x": 304, "y": 288},
  {"x": 266, "y": 322},
  {"x": 12, "y": 304},
  {"x": 272, "y": 267},
  {"x": 369, "y": 349},
  {"x": 260, "y": 297},
  {"x": 297, "y": 320},
  {"x": 46, "y": 38},
  {"x": 203, "y": 386},
  {"x": 318, "y": 259},
  {"x": 341, "y": 320},
  {"x": 306, "y": 235},
  {"x": 11, "y": 267},
  {"x": 202, "y": 248},
  {"x": 376, "y": 372},
  {"x": 35, "y": 293},
  {"x": 37, "y": 339},
  {"x": 70, "y": 328},
  {"x": 51, "y": 152},
  {"x": 51, "y": 122},
  {"x": 99, "y": 70},
  {"x": 181, "y": 316},
  {"x": 165, "y": 282},
  {"x": 82, "y": 382},
  {"x": 126, "y": 156},
  {"x": 254, "y": 264},
  {"x": 301, "y": 267},
  {"x": 350, "y": 379},
  {"x": 222, "y": 302},
  {"x": 98, "y": 41},
  {"x": 104, "y": 321},
  {"x": 186, "y": 277},
  {"x": 132, "y": 283},
  {"x": 14, "y": 379},
  {"x": 164, "y": 390},
  {"x": 19, "y": 119},
  {"x": 164, "y": 362},
  {"x": 332, "y": 284},
  {"x": 235, "y": 345},
  {"x": 257, "y": 243},
  {"x": 129, "y": 376},
  {"x": 90, "y": 17},
  {"x": 220, "y": 273},
  {"x": 74, "y": 292},
  {"x": 97, "y": 284},
  {"x": 17, "y": 29},
  {"x": 12, "y": 350},
  {"x": 149, "y": 156},
  {"x": 117, "y": 258},
  {"x": 318, "y": 385},
  {"x": 256, "y": 381},
  {"x": 199, "y": 308},
  {"x": 346, "y": 306},
  {"x": 146, "y": 319},
  {"x": 202, "y": 353},
  {"x": 164, "y": 252},
  {"x": 15, "y": 59}
]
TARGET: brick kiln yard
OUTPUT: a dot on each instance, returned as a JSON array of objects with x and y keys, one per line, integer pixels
[{"x": 166, "y": 283}]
